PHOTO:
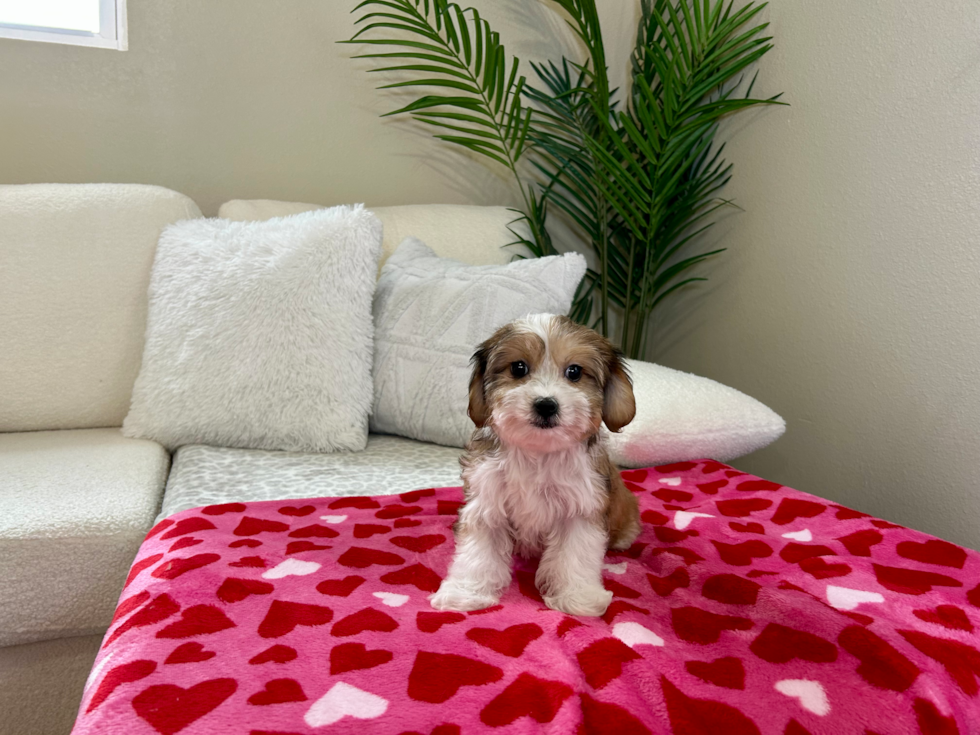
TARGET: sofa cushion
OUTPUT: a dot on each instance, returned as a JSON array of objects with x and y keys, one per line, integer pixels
[
  {"x": 76, "y": 505},
  {"x": 471, "y": 234},
  {"x": 213, "y": 475},
  {"x": 74, "y": 268}
]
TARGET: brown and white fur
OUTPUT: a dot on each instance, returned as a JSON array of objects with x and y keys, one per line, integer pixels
[{"x": 536, "y": 475}]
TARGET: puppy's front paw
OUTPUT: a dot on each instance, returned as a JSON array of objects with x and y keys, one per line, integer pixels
[
  {"x": 453, "y": 597},
  {"x": 588, "y": 601}
]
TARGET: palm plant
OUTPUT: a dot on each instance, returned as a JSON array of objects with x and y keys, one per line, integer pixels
[{"x": 638, "y": 174}]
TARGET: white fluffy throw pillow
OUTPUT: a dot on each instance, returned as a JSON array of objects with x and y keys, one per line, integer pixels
[
  {"x": 429, "y": 315},
  {"x": 260, "y": 334},
  {"x": 681, "y": 417}
]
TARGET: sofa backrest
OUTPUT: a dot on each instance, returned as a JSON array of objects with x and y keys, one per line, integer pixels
[
  {"x": 75, "y": 264},
  {"x": 467, "y": 233}
]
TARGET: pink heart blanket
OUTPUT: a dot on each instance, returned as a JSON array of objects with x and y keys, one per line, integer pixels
[{"x": 744, "y": 607}]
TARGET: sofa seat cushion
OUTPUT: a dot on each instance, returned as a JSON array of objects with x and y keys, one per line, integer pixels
[
  {"x": 213, "y": 475},
  {"x": 76, "y": 505}
]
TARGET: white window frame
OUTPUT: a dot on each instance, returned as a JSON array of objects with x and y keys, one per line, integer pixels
[{"x": 113, "y": 33}]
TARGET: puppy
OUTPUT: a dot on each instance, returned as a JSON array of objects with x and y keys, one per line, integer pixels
[{"x": 536, "y": 475}]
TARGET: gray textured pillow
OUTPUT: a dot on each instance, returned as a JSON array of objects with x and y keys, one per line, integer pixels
[
  {"x": 429, "y": 315},
  {"x": 259, "y": 335}
]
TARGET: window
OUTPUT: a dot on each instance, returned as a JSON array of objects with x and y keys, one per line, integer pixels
[{"x": 99, "y": 23}]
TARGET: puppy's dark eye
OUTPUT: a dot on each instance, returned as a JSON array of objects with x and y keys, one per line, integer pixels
[
  {"x": 519, "y": 369},
  {"x": 573, "y": 373}
]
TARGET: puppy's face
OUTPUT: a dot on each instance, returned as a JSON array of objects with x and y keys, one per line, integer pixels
[{"x": 545, "y": 383}]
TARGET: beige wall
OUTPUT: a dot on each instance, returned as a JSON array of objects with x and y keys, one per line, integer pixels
[{"x": 849, "y": 300}]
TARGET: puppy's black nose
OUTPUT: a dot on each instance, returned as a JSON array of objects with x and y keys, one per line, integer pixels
[{"x": 546, "y": 407}]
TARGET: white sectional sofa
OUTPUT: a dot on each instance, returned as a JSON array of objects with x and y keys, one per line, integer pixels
[{"x": 76, "y": 497}]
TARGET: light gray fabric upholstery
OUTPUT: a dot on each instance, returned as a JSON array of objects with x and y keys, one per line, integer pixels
[
  {"x": 208, "y": 475},
  {"x": 76, "y": 506}
]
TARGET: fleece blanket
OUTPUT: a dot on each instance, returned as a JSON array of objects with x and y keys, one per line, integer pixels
[{"x": 744, "y": 607}]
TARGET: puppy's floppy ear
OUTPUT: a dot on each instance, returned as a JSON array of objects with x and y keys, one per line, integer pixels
[
  {"x": 618, "y": 403},
  {"x": 478, "y": 410}
]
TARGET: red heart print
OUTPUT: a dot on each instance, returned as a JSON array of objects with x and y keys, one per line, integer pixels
[
  {"x": 654, "y": 517},
  {"x": 447, "y": 508},
  {"x": 414, "y": 496},
  {"x": 617, "y": 607},
  {"x": 778, "y": 644},
  {"x": 733, "y": 473},
  {"x": 116, "y": 677},
  {"x": 340, "y": 587},
  {"x": 694, "y": 625},
  {"x": 566, "y": 625},
  {"x": 249, "y": 561},
  {"x": 436, "y": 677},
  {"x": 688, "y": 556},
  {"x": 725, "y": 672},
  {"x": 218, "y": 510},
  {"x": 792, "y": 508},
  {"x": 430, "y": 622},
  {"x": 818, "y": 568},
  {"x": 673, "y": 496},
  {"x": 605, "y": 718},
  {"x": 250, "y": 526},
  {"x": 667, "y": 535},
  {"x": 741, "y": 555},
  {"x": 358, "y": 557},
  {"x": 125, "y": 607},
  {"x": 527, "y": 695},
  {"x": 299, "y": 512},
  {"x": 140, "y": 566},
  {"x": 633, "y": 552},
  {"x": 948, "y": 616},
  {"x": 165, "y": 523},
  {"x": 794, "y": 553},
  {"x": 669, "y": 469},
  {"x": 418, "y": 544},
  {"x": 366, "y": 619},
  {"x": 932, "y": 721},
  {"x": 170, "y": 708},
  {"x": 278, "y": 691},
  {"x": 527, "y": 585},
  {"x": 234, "y": 589},
  {"x": 911, "y": 581},
  {"x": 633, "y": 487},
  {"x": 760, "y": 573},
  {"x": 484, "y": 611},
  {"x": 510, "y": 642},
  {"x": 603, "y": 661},
  {"x": 621, "y": 590},
  {"x": 189, "y": 653},
  {"x": 247, "y": 542},
  {"x": 418, "y": 575},
  {"x": 961, "y": 661},
  {"x": 711, "y": 466},
  {"x": 354, "y": 502},
  {"x": 278, "y": 654},
  {"x": 846, "y": 514},
  {"x": 753, "y": 486},
  {"x": 184, "y": 543},
  {"x": 173, "y": 568},
  {"x": 859, "y": 543},
  {"x": 396, "y": 510},
  {"x": 741, "y": 507},
  {"x": 710, "y": 716},
  {"x": 407, "y": 523},
  {"x": 933, "y": 551},
  {"x": 197, "y": 620},
  {"x": 283, "y": 616},
  {"x": 747, "y": 527},
  {"x": 712, "y": 488},
  {"x": 731, "y": 589},
  {"x": 354, "y": 656},
  {"x": 367, "y": 530},
  {"x": 185, "y": 526},
  {"x": 881, "y": 664},
  {"x": 160, "y": 608},
  {"x": 314, "y": 531},
  {"x": 295, "y": 547},
  {"x": 634, "y": 475}
]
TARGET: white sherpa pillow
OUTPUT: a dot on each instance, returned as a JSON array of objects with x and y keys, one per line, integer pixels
[
  {"x": 680, "y": 417},
  {"x": 260, "y": 334},
  {"x": 429, "y": 315}
]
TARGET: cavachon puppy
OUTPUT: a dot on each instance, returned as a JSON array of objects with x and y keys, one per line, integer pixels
[{"x": 536, "y": 475}]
